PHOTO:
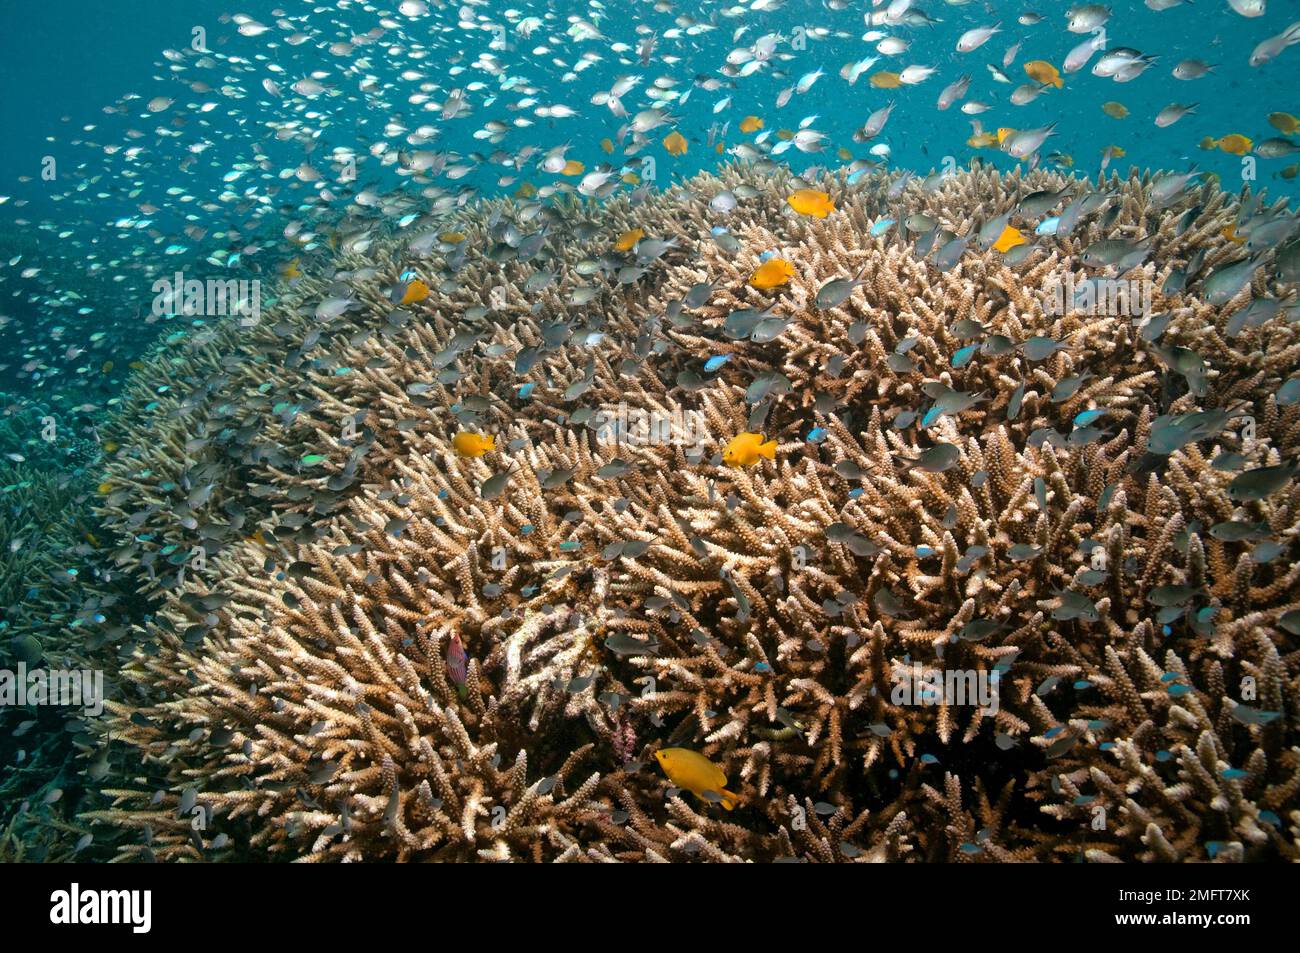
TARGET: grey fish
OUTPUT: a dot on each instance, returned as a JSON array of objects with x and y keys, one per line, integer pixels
[
  {"x": 948, "y": 256},
  {"x": 494, "y": 485},
  {"x": 1037, "y": 204},
  {"x": 1276, "y": 147},
  {"x": 1261, "y": 482},
  {"x": 1075, "y": 605},
  {"x": 889, "y": 604},
  {"x": 699, "y": 295},
  {"x": 1236, "y": 531},
  {"x": 992, "y": 230},
  {"x": 1116, "y": 252},
  {"x": 1165, "y": 189},
  {"x": 936, "y": 459},
  {"x": 836, "y": 291},
  {"x": 1223, "y": 284},
  {"x": 1039, "y": 348},
  {"x": 622, "y": 644}
]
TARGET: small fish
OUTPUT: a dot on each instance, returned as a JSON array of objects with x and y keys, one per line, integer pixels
[
  {"x": 836, "y": 291},
  {"x": 1075, "y": 605},
  {"x": 628, "y": 239},
  {"x": 936, "y": 459},
  {"x": 622, "y": 644},
  {"x": 675, "y": 143},
  {"x": 693, "y": 772},
  {"x": 1009, "y": 239},
  {"x": 1172, "y": 113},
  {"x": 1044, "y": 72},
  {"x": 811, "y": 202},
  {"x": 1261, "y": 482},
  {"x": 468, "y": 444},
  {"x": 745, "y": 449},
  {"x": 457, "y": 663},
  {"x": 773, "y": 273}
]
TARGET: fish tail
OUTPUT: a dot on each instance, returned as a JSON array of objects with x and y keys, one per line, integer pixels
[
  {"x": 729, "y": 799},
  {"x": 490, "y": 443},
  {"x": 768, "y": 449}
]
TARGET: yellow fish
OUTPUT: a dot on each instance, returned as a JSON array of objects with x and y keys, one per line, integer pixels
[
  {"x": 472, "y": 445},
  {"x": 1009, "y": 239},
  {"x": 452, "y": 238},
  {"x": 290, "y": 270},
  {"x": 525, "y": 191},
  {"x": 675, "y": 143},
  {"x": 1003, "y": 132},
  {"x": 1230, "y": 233},
  {"x": 631, "y": 178},
  {"x": 1284, "y": 123},
  {"x": 573, "y": 167},
  {"x": 1044, "y": 72},
  {"x": 693, "y": 772},
  {"x": 811, "y": 202},
  {"x": 844, "y": 154},
  {"x": 1235, "y": 144},
  {"x": 105, "y": 488},
  {"x": 106, "y": 367},
  {"x": 745, "y": 449},
  {"x": 417, "y": 290},
  {"x": 607, "y": 144},
  {"x": 1290, "y": 171},
  {"x": 751, "y": 124},
  {"x": 885, "y": 80},
  {"x": 785, "y": 135},
  {"x": 983, "y": 140},
  {"x": 1115, "y": 110},
  {"x": 771, "y": 274},
  {"x": 628, "y": 240}
]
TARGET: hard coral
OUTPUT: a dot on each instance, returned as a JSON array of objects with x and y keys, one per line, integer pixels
[{"x": 970, "y": 478}]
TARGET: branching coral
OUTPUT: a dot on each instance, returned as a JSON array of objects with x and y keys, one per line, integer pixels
[{"x": 973, "y": 477}]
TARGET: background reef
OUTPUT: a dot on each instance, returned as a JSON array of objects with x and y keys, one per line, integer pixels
[{"x": 284, "y": 505}]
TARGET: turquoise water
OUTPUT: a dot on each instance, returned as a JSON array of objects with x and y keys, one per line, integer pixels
[{"x": 109, "y": 215}]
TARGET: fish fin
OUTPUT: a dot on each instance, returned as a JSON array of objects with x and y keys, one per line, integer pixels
[
  {"x": 490, "y": 444},
  {"x": 768, "y": 449},
  {"x": 729, "y": 799}
]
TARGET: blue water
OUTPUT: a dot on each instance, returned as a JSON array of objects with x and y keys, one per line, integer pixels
[
  {"x": 125, "y": 183},
  {"x": 63, "y": 62}
]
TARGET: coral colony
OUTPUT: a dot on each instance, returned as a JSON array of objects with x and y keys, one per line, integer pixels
[{"x": 944, "y": 569}]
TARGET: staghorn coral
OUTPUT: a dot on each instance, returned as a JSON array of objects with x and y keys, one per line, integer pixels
[
  {"x": 57, "y": 613},
  {"x": 313, "y": 543}
]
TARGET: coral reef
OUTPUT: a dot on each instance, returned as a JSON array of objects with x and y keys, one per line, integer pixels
[
  {"x": 56, "y": 614},
  {"x": 1089, "y": 512}
]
